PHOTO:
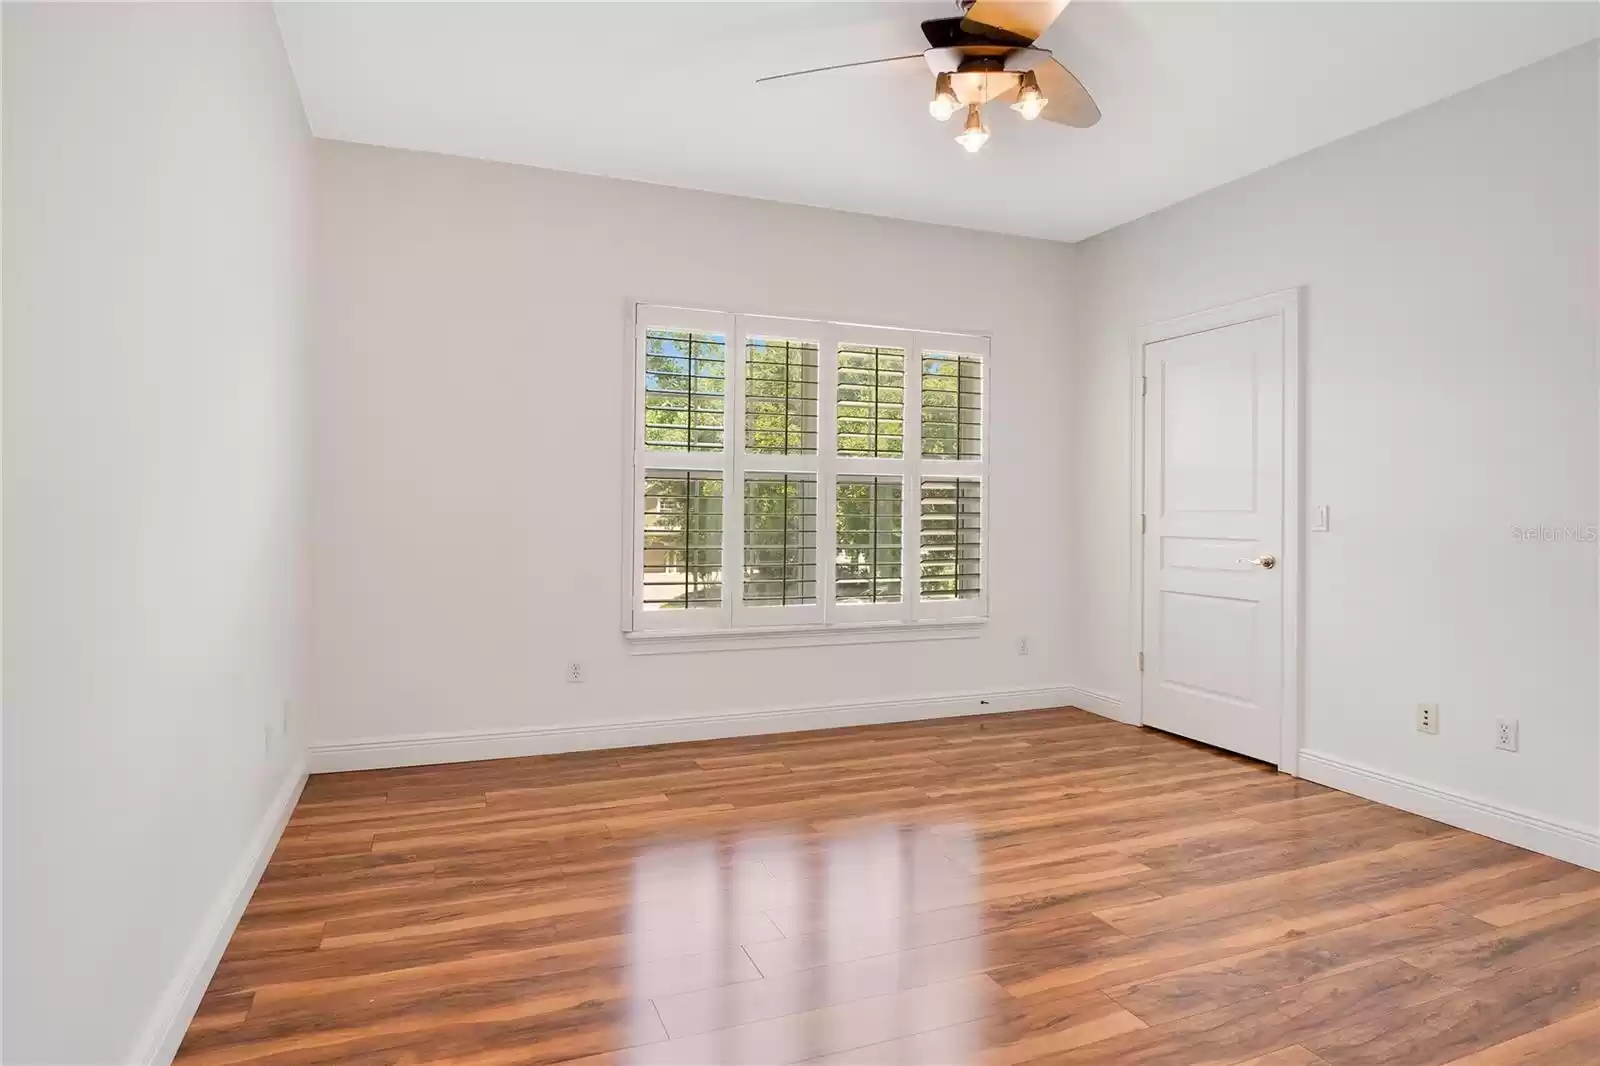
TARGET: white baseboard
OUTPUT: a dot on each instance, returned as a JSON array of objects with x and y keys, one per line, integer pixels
[
  {"x": 177, "y": 1004},
  {"x": 426, "y": 749},
  {"x": 1563, "y": 840},
  {"x": 1106, "y": 706}
]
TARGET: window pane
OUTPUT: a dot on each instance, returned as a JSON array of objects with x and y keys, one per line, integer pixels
[
  {"x": 780, "y": 539},
  {"x": 871, "y": 400},
  {"x": 952, "y": 406},
  {"x": 684, "y": 391},
  {"x": 780, "y": 397},
  {"x": 866, "y": 565},
  {"x": 951, "y": 538},
  {"x": 682, "y": 540}
]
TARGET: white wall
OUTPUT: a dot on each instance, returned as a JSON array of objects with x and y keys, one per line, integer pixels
[
  {"x": 1449, "y": 265},
  {"x": 155, "y": 175},
  {"x": 468, "y": 447}
]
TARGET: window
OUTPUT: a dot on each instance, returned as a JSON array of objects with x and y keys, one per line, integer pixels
[
  {"x": 872, "y": 391},
  {"x": 952, "y": 406},
  {"x": 797, "y": 474},
  {"x": 951, "y": 538},
  {"x": 780, "y": 539},
  {"x": 780, "y": 407},
  {"x": 868, "y": 547},
  {"x": 683, "y": 391},
  {"x": 682, "y": 540}
]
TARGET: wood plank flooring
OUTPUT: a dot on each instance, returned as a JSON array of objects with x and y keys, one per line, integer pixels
[{"x": 1044, "y": 887}]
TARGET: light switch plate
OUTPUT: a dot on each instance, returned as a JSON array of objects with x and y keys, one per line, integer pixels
[{"x": 1319, "y": 521}]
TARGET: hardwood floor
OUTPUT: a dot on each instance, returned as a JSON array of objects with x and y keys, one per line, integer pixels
[{"x": 1045, "y": 887}]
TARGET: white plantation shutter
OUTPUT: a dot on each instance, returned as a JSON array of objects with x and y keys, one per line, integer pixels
[
  {"x": 776, "y": 460},
  {"x": 952, "y": 512},
  {"x": 790, "y": 472}
]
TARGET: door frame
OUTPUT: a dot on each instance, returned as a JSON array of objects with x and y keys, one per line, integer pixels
[{"x": 1286, "y": 304}]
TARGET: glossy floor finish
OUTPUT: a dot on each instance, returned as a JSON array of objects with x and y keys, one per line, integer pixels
[{"x": 1042, "y": 887}]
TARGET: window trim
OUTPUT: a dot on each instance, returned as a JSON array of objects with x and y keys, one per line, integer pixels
[
  {"x": 735, "y": 624},
  {"x": 755, "y": 638}
]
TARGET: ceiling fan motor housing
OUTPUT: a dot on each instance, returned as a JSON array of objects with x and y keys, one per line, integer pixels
[
  {"x": 992, "y": 54},
  {"x": 958, "y": 33}
]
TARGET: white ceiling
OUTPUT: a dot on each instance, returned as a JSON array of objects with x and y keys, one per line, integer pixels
[{"x": 1194, "y": 94}]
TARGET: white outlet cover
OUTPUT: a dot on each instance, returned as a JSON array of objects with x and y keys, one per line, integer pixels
[{"x": 1428, "y": 718}]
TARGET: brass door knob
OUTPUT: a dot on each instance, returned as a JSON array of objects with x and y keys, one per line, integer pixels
[{"x": 1266, "y": 562}]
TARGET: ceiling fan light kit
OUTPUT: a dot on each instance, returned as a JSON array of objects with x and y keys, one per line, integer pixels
[
  {"x": 944, "y": 102},
  {"x": 988, "y": 53},
  {"x": 974, "y": 133},
  {"x": 1031, "y": 101}
]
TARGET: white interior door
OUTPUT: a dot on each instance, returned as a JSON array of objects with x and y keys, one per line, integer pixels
[{"x": 1213, "y": 541}]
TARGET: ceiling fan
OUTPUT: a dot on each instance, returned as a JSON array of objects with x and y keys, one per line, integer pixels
[{"x": 987, "y": 54}]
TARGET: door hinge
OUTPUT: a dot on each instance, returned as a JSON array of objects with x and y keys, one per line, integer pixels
[
  {"x": 1141, "y": 523},
  {"x": 1144, "y": 386},
  {"x": 1141, "y": 662}
]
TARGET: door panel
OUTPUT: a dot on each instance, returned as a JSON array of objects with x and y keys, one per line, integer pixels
[
  {"x": 1213, "y": 490},
  {"x": 1208, "y": 644},
  {"x": 1209, "y": 441}
]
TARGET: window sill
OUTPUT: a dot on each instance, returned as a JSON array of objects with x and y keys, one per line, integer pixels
[{"x": 669, "y": 642}]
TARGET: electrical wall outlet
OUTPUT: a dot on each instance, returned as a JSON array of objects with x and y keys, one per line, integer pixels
[
  {"x": 1505, "y": 734},
  {"x": 1427, "y": 717},
  {"x": 574, "y": 672},
  {"x": 1022, "y": 645}
]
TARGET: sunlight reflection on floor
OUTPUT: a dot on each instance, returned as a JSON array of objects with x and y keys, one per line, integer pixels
[{"x": 788, "y": 947}]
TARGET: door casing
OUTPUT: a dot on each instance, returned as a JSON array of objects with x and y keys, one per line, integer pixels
[{"x": 1286, "y": 305}]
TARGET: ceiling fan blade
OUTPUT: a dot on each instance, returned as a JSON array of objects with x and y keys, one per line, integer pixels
[
  {"x": 1026, "y": 18},
  {"x": 1070, "y": 103},
  {"x": 838, "y": 66}
]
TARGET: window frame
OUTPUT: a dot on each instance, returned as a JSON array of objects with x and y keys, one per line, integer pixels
[{"x": 735, "y": 623}]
